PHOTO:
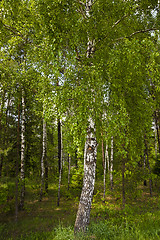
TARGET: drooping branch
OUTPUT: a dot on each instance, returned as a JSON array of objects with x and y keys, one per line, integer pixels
[
  {"x": 142, "y": 31},
  {"x": 139, "y": 31}
]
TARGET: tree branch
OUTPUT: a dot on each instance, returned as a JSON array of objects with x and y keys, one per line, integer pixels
[
  {"x": 15, "y": 32},
  {"x": 82, "y": 3},
  {"x": 116, "y": 23},
  {"x": 81, "y": 9},
  {"x": 140, "y": 31}
]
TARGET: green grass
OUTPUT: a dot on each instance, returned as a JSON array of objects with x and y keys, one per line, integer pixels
[
  {"x": 144, "y": 227},
  {"x": 44, "y": 220}
]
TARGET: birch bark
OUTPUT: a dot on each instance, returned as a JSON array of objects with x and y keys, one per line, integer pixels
[
  {"x": 90, "y": 157},
  {"x": 104, "y": 171},
  {"x": 1, "y": 132},
  {"x": 22, "y": 173},
  {"x": 17, "y": 164},
  {"x": 111, "y": 164},
  {"x": 60, "y": 158},
  {"x": 43, "y": 159},
  {"x": 157, "y": 128},
  {"x": 69, "y": 169},
  {"x": 83, "y": 214}
]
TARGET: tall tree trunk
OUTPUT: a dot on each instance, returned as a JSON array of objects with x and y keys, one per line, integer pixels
[
  {"x": 144, "y": 165},
  {"x": 107, "y": 159},
  {"x": 43, "y": 159},
  {"x": 69, "y": 169},
  {"x": 149, "y": 169},
  {"x": 111, "y": 165},
  {"x": 76, "y": 159},
  {"x": 59, "y": 158},
  {"x": 157, "y": 128},
  {"x": 104, "y": 171},
  {"x": 83, "y": 214},
  {"x": 17, "y": 164},
  {"x": 155, "y": 138},
  {"x": 22, "y": 173},
  {"x": 1, "y": 132},
  {"x": 46, "y": 175},
  {"x": 90, "y": 157},
  {"x": 103, "y": 157},
  {"x": 59, "y": 146},
  {"x": 104, "y": 168}
]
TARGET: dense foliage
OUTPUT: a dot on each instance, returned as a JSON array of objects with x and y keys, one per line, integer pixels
[{"x": 69, "y": 66}]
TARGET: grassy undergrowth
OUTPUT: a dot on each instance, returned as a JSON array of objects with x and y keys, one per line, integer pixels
[{"x": 44, "y": 220}]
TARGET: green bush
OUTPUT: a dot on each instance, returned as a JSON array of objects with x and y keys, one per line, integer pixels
[
  {"x": 7, "y": 197},
  {"x": 77, "y": 177}
]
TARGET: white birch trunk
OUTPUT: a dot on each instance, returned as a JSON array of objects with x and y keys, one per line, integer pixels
[
  {"x": 107, "y": 158},
  {"x": 60, "y": 161},
  {"x": 69, "y": 169},
  {"x": 1, "y": 132},
  {"x": 22, "y": 172},
  {"x": 83, "y": 214},
  {"x": 111, "y": 164},
  {"x": 90, "y": 157},
  {"x": 17, "y": 165},
  {"x": 155, "y": 138},
  {"x": 144, "y": 164},
  {"x": 104, "y": 174},
  {"x": 44, "y": 144}
]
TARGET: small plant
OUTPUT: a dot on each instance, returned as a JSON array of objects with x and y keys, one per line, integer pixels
[{"x": 62, "y": 233}]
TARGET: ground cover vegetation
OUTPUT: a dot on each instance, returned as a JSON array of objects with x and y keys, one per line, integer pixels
[{"x": 79, "y": 119}]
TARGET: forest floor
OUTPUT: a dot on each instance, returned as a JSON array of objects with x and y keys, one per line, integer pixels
[{"x": 44, "y": 220}]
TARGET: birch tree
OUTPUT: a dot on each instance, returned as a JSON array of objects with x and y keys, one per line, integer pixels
[
  {"x": 90, "y": 157},
  {"x": 43, "y": 159},
  {"x": 59, "y": 158},
  {"x": 22, "y": 172}
]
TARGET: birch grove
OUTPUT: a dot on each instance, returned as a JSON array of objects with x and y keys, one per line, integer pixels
[{"x": 84, "y": 58}]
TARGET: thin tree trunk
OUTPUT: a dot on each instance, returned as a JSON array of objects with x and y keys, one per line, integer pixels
[
  {"x": 46, "y": 175},
  {"x": 104, "y": 173},
  {"x": 104, "y": 168},
  {"x": 60, "y": 158},
  {"x": 43, "y": 158},
  {"x": 59, "y": 146},
  {"x": 22, "y": 173},
  {"x": 157, "y": 128},
  {"x": 1, "y": 132},
  {"x": 1, "y": 164},
  {"x": 111, "y": 165},
  {"x": 69, "y": 169},
  {"x": 103, "y": 157},
  {"x": 148, "y": 165},
  {"x": 76, "y": 159},
  {"x": 17, "y": 164},
  {"x": 155, "y": 138},
  {"x": 144, "y": 165},
  {"x": 83, "y": 214},
  {"x": 107, "y": 159},
  {"x": 150, "y": 179}
]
